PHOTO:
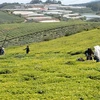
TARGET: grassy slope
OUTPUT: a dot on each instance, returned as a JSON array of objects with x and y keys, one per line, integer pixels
[
  {"x": 19, "y": 34},
  {"x": 20, "y": 29},
  {"x": 8, "y": 18},
  {"x": 50, "y": 72}
]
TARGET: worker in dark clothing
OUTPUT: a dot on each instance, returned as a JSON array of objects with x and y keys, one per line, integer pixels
[
  {"x": 1, "y": 50},
  {"x": 27, "y": 49},
  {"x": 89, "y": 54}
]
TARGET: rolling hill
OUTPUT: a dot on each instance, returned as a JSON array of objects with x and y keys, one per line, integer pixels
[
  {"x": 51, "y": 70},
  {"x": 25, "y": 33},
  {"x": 5, "y": 18}
]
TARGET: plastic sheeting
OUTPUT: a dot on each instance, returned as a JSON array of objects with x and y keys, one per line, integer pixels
[{"x": 97, "y": 51}]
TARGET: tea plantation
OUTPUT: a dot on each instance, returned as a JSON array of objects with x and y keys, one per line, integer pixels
[
  {"x": 51, "y": 70},
  {"x": 6, "y": 17}
]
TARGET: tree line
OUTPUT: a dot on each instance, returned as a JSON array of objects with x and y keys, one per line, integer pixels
[
  {"x": 47, "y": 1},
  {"x": 95, "y": 6},
  {"x": 8, "y": 4},
  {"x": 32, "y": 2}
]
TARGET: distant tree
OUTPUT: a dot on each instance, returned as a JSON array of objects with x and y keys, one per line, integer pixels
[
  {"x": 2, "y": 5},
  {"x": 48, "y": 1},
  {"x": 8, "y": 4},
  {"x": 53, "y": 2},
  {"x": 35, "y": 1},
  {"x": 94, "y": 20},
  {"x": 95, "y": 6},
  {"x": 59, "y": 2}
]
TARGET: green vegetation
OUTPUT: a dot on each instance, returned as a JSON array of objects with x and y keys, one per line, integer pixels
[
  {"x": 95, "y": 6},
  {"x": 94, "y": 20},
  {"x": 5, "y": 17},
  {"x": 92, "y": 6},
  {"x": 50, "y": 71},
  {"x": 27, "y": 28},
  {"x": 18, "y": 34},
  {"x": 9, "y": 5},
  {"x": 46, "y": 2}
]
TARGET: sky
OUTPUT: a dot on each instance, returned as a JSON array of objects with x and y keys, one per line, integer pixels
[{"x": 66, "y": 2}]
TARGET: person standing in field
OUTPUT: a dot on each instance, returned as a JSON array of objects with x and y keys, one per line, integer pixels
[
  {"x": 89, "y": 53},
  {"x": 27, "y": 49},
  {"x": 1, "y": 51}
]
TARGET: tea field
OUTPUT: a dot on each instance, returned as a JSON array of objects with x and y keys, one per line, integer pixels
[
  {"x": 24, "y": 33},
  {"x": 6, "y": 17},
  {"x": 51, "y": 70}
]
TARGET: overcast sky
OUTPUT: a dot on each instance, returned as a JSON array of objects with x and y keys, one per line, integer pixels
[{"x": 63, "y": 1}]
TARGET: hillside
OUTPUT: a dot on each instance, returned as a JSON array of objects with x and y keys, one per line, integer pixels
[
  {"x": 25, "y": 33},
  {"x": 93, "y": 5},
  {"x": 50, "y": 71},
  {"x": 5, "y": 17},
  {"x": 9, "y": 5}
]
